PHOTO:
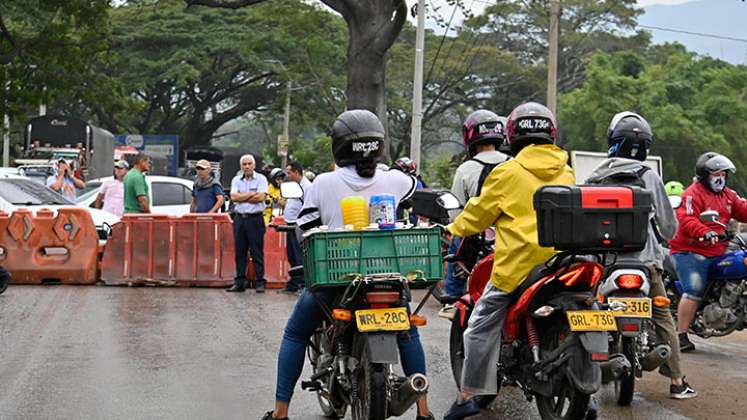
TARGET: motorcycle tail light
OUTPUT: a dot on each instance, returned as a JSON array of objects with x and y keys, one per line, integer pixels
[
  {"x": 382, "y": 297},
  {"x": 630, "y": 327},
  {"x": 629, "y": 281},
  {"x": 418, "y": 320},
  {"x": 661, "y": 301},
  {"x": 342, "y": 314}
]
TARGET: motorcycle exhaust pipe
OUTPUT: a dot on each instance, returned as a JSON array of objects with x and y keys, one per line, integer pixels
[
  {"x": 614, "y": 368},
  {"x": 656, "y": 357},
  {"x": 407, "y": 393}
]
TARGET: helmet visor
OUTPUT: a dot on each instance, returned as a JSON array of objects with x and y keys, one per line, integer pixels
[{"x": 719, "y": 163}]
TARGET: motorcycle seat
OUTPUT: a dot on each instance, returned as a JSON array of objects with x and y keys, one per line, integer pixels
[{"x": 539, "y": 272}]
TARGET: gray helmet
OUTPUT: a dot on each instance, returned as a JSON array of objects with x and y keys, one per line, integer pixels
[
  {"x": 357, "y": 136},
  {"x": 710, "y": 162}
]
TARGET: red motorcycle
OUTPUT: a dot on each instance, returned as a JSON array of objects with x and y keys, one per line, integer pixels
[{"x": 555, "y": 337}]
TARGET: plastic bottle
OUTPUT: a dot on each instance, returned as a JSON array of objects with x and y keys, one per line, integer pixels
[
  {"x": 382, "y": 209},
  {"x": 354, "y": 212}
]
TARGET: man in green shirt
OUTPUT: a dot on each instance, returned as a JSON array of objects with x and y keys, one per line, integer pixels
[{"x": 135, "y": 187}]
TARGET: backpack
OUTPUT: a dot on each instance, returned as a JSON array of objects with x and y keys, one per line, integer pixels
[
  {"x": 487, "y": 168},
  {"x": 630, "y": 178},
  {"x": 626, "y": 178}
]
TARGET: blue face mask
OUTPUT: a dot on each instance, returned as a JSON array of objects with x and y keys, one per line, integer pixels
[{"x": 717, "y": 183}]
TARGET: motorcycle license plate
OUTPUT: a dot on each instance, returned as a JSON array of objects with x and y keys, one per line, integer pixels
[
  {"x": 591, "y": 321},
  {"x": 389, "y": 319},
  {"x": 637, "y": 307}
]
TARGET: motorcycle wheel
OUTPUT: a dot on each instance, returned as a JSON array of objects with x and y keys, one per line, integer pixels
[
  {"x": 456, "y": 356},
  {"x": 370, "y": 403},
  {"x": 329, "y": 409},
  {"x": 625, "y": 386},
  {"x": 568, "y": 403}
]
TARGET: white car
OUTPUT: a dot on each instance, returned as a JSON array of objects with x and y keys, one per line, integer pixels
[
  {"x": 19, "y": 192},
  {"x": 168, "y": 195}
]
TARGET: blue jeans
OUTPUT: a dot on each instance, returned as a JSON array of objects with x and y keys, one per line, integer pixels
[
  {"x": 454, "y": 286},
  {"x": 692, "y": 272},
  {"x": 307, "y": 316}
]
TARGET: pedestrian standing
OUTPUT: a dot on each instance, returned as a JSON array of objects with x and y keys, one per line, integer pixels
[
  {"x": 111, "y": 194},
  {"x": 248, "y": 192},
  {"x": 292, "y": 209},
  {"x": 136, "y": 190},
  {"x": 64, "y": 182},
  {"x": 207, "y": 193}
]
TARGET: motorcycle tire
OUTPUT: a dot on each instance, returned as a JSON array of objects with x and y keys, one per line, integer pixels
[
  {"x": 456, "y": 356},
  {"x": 371, "y": 401},
  {"x": 555, "y": 407},
  {"x": 625, "y": 386},
  {"x": 330, "y": 409}
]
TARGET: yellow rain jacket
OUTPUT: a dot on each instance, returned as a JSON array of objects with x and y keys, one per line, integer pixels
[
  {"x": 507, "y": 201},
  {"x": 271, "y": 198}
]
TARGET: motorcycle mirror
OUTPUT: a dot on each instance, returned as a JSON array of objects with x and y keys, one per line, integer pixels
[
  {"x": 709, "y": 216},
  {"x": 675, "y": 201},
  {"x": 291, "y": 189},
  {"x": 448, "y": 201}
]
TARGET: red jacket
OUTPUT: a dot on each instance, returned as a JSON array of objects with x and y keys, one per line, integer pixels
[{"x": 696, "y": 199}]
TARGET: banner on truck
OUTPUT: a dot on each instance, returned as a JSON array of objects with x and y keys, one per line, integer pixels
[{"x": 166, "y": 145}]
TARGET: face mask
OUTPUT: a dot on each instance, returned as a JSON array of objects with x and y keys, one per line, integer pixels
[{"x": 718, "y": 183}]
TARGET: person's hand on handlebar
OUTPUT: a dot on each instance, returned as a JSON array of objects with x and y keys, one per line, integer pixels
[{"x": 714, "y": 237}]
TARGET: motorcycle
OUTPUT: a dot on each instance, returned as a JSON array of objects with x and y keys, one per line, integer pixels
[
  {"x": 353, "y": 352},
  {"x": 554, "y": 338},
  {"x": 724, "y": 305},
  {"x": 633, "y": 345}
]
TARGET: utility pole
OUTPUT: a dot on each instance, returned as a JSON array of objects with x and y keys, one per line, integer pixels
[
  {"x": 552, "y": 60},
  {"x": 417, "y": 87},
  {"x": 6, "y": 126},
  {"x": 286, "y": 124}
]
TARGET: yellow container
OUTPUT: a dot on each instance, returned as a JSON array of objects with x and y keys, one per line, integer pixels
[{"x": 354, "y": 211}]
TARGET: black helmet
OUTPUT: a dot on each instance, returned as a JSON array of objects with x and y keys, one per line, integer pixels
[
  {"x": 530, "y": 123},
  {"x": 710, "y": 162},
  {"x": 629, "y": 136},
  {"x": 357, "y": 136},
  {"x": 483, "y": 127}
]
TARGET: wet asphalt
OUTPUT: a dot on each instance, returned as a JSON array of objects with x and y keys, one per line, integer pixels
[{"x": 169, "y": 353}]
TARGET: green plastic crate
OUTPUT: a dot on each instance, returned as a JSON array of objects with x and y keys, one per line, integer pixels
[{"x": 331, "y": 257}]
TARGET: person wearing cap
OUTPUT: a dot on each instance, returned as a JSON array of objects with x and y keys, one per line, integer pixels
[
  {"x": 207, "y": 193},
  {"x": 111, "y": 194},
  {"x": 64, "y": 181}
]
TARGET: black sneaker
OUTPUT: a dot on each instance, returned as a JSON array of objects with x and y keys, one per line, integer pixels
[
  {"x": 682, "y": 392},
  {"x": 462, "y": 410},
  {"x": 268, "y": 416},
  {"x": 685, "y": 344},
  {"x": 260, "y": 288},
  {"x": 428, "y": 417}
]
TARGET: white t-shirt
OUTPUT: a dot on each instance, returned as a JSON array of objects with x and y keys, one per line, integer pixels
[
  {"x": 113, "y": 191},
  {"x": 322, "y": 203}
]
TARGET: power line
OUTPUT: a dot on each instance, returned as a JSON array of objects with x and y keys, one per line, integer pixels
[{"x": 679, "y": 31}]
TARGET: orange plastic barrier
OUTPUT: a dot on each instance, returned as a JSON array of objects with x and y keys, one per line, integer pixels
[
  {"x": 48, "y": 247},
  {"x": 276, "y": 258},
  {"x": 192, "y": 250}
]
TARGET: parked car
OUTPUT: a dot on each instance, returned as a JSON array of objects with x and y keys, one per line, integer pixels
[
  {"x": 19, "y": 192},
  {"x": 168, "y": 195}
]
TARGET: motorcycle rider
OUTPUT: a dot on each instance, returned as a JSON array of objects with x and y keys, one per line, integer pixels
[
  {"x": 629, "y": 138},
  {"x": 506, "y": 200},
  {"x": 697, "y": 244},
  {"x": 357, "y": 141},
  {"x": 482, "y": 133},
  {"x": 410, "y": 167}
]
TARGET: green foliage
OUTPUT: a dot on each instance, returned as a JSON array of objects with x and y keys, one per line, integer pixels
[
  {"x": 693, "y": 104},
  {"x": 315, "y": 154},
  {"x": 47, "y": 49}
]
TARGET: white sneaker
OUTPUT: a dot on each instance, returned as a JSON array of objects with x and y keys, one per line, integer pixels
[{"x": 447, "y": 312}]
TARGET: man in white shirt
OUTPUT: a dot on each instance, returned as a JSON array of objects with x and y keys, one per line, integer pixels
[
  {"x": 291, "y": 212},
  {"x": 248, "y": 191}
]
